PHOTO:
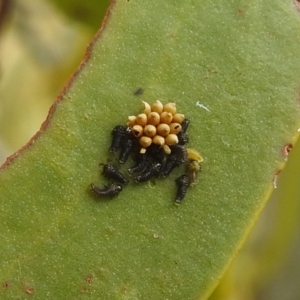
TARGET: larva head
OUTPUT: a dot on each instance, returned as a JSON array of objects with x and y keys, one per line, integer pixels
[{"x": 194, "y": 155}]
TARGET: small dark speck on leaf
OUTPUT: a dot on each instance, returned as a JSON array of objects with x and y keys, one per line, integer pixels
[
  {"x": 139, "y": 91},
  {"x": 6, "y": 284}
]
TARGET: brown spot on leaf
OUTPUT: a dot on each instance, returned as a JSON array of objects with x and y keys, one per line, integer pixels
[
  {"x": 89, "y": 278},
  {"x": 6, "y": 284},
  {"x": 297, "y": 4},
  {"x": 286, "y": 150},
  {"x": 240, "y": 12},
  {"x": 29, "y": 291},
  {"x": 275, "y": 178}
]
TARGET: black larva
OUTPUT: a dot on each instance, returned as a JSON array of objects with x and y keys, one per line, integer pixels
[
  {"x": 183, "y": 182},
  {"x": 185, "y": 125},
  {"x": 127, "y": 146},
  {"x": 171, "y": 163},
  {"x": 178, "y": 156},
  {"x": 140, "y": 165},
  {"x": 156, "y": 152},
  {"x": 183, "y": 137},
  {"x": 118, "y": 134},
  {"x": 181, "y": 153},
  {"x": 151, "y": 171},
  {"x": 156, "y": 147},
  {"x": 111, "y": 172},
  {"x": 109, "y": 190}
]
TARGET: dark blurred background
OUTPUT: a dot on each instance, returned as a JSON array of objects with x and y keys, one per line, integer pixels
[{"x": 42, "y": 43}]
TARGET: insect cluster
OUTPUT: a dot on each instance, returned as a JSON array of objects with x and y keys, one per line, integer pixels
[{"x": 155, "y": 139}]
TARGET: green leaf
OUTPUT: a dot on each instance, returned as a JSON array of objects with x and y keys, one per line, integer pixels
[
  {"x": 239, "y": 63},
  {"x": 271, "y": 251}
]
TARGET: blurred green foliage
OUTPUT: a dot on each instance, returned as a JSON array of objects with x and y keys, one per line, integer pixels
[{"x": 41, "y": 48}]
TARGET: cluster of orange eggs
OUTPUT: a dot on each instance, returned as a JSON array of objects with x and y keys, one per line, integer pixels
[{"x": 158, "y": 124}]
